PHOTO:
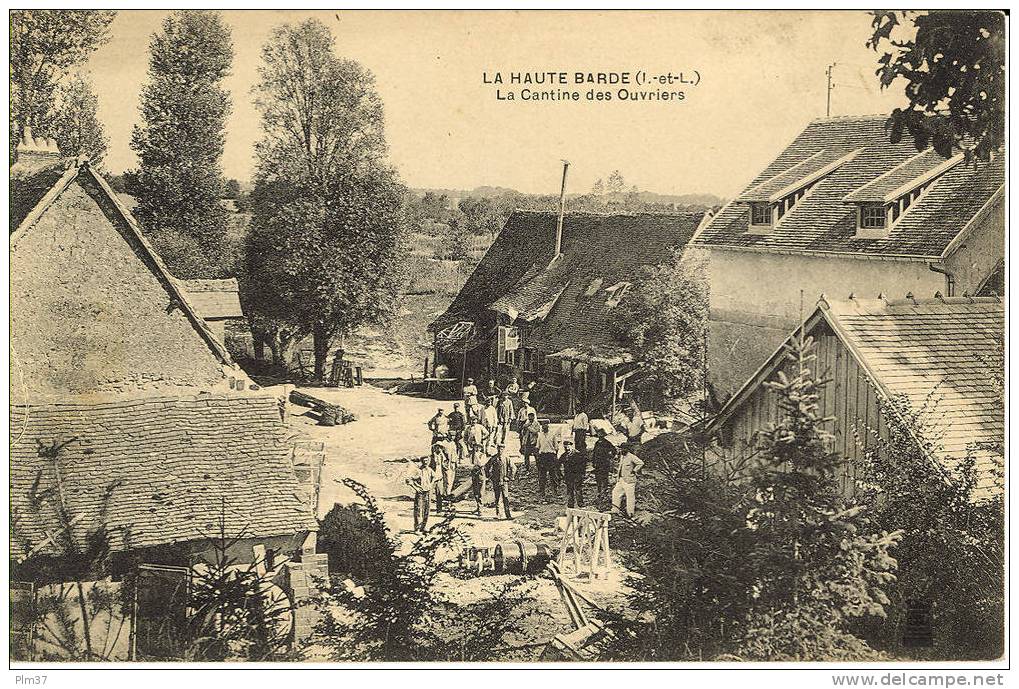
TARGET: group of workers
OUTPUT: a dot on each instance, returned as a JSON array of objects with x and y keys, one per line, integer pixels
[{"x": 482, "y": 434}]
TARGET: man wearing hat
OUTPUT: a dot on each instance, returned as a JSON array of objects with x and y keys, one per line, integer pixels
[
  {"x": 548, "y": 461},
  {"x": 574, "y": 471}
]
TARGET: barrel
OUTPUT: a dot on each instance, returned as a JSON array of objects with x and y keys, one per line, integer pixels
[{"x": 521, "y": 557}]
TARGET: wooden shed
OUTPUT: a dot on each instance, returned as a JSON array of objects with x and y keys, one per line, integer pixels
[{"x": 944, "y": 356}]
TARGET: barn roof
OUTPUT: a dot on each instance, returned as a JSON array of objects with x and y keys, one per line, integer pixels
[
  {"x": 944, "y": 356},
  {"x": 568, "y": 302},
  {"x": 859, "y": 164},
  {"x": 171, "y": 467},
  {"x": 214, "y": 299}
]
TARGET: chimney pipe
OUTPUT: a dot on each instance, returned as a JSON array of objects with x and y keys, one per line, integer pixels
[{"x": 562, "y": 210}]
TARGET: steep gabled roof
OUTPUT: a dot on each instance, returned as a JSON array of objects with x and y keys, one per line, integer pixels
[
  {"x": 823, "y": 221},
  {"x": 568, "y": 301},
  {"x": 29, "y": 189},
  {"x": 943, "y": 355},
  {"x": 171, "y": 467},
  {"x": 214, "y": 299}
]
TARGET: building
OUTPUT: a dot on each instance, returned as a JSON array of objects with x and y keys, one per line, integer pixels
[
  {"x": 218, "y": 302},
  {"x": 843, "y": 210},
  {"x": 127, "y": 414},
  {"x": 540, "y": 305},
  {"x": 944, "y": 356}
]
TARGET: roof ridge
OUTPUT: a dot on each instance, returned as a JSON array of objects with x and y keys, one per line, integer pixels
[
  {"x": 606, "y": 214},
  {"x": 845, "y": 118}
]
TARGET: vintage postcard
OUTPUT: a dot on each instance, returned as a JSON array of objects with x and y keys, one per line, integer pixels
[{"x": 508, "y": 337}]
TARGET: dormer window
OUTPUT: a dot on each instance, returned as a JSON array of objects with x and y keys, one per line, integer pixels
[
  {"x": 760, "y": 214},
  {"x": 873, "y": 217}
]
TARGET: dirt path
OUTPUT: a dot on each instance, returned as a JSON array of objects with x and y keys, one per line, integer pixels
[{"x": 375, "y": 451}]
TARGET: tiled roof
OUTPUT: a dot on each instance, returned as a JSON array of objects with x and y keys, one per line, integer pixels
[
  {"x": 945, "y": 356},
  {"x": 172, "y": 466},
  {"x": 214, "y": 298},
  {"x": 598, "y": 252},
  {"x": 822, "y": 221},
  {"x": 903, "y": 176}
]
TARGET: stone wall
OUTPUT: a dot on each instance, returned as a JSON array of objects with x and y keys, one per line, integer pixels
[{"x": 89, "y": 316}]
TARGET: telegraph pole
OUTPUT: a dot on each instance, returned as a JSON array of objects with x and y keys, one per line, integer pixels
[{"x": 827, "y": 110}]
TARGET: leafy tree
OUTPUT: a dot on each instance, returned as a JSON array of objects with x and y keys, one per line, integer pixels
[
  {"x": 45, "y": 45},
  {"x": 951, "y": 555},
  {"x": 480, "y": 215},
  {"x": 456, "y": 243},
  {"x": 74, "y": 123},
  {"x": 327, "y": 213},
  {"x": 817, "y": 566},
  {"x": 180, "y": 143},
  {"x": 662, "y": 320},
  {"x": 616, "y": 183},
  {"x": 231, "y": 189},
  {"x": 954, "y": 69},
  {"x": 599, "y": 187}
]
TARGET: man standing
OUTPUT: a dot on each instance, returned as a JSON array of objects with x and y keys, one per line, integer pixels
[
  {"x": 513, "y": 388},
  {"x": 581, "y": 425},
  {"x": 477, "y": 436},
  {"x": 529, "y": 433},
  {"x": 457, "y": 424},
  {"x": 548, "y": 461},
  {"x": 491, "y": 392},
  {"x": 498, "y": 469},
  {"x": 470, "y": 395},
  {"x": 421, "y": 478},
  {"x": 626, "y": 480},
  {"x": 507, "y": 415},
  {"x": 574, "y": 472},
  {"x": 601, "y": 462},
  {"x": 490, "y": 419},
  {"x": 439, "y": 426}
]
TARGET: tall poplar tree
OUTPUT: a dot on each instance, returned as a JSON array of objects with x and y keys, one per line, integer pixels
[{"x": 180, "y": 143}]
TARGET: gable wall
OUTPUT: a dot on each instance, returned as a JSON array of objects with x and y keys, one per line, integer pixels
[
  {"x": 849, "y": 398},
  {"x": 980, "y": 252},
  {"x": 755, "y": 300},
  {"x": 88, "y": 316}
]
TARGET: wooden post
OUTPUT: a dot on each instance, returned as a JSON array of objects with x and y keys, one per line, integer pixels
[{"x": 612, "y": 378}]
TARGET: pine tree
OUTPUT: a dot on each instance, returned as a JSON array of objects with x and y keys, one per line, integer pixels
[
  {"x": 180, "y": 144},
  {"x": 817, "y": 565}
]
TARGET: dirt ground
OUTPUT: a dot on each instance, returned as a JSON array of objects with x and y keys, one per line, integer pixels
[{"x": 375, "y": 450}]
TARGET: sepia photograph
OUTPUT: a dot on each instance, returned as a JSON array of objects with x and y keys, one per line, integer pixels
[{"x": 526, "y": 339}]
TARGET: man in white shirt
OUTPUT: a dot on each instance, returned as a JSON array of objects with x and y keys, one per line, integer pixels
[
  {"x": 548, "y": 461},
  {"x": 421, "y": 478},
  {"x": 626, "y": 480},
  {"x": 581, "y": 427},
  {"x": 470, "y": 395}
]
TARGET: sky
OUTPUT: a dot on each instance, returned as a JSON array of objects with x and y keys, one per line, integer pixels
[{"x": 762, "y": 78}]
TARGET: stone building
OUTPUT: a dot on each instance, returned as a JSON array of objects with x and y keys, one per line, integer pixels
[
  {"x": 127, "y": 415},
  {"x": 844, "y": 211}
]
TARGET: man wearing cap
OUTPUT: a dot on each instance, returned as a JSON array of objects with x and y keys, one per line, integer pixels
[
  {"x": 421, "y": 478},
  {"x": 548, "y": 461},
  {"x": 470, "y": 394},
  {"x": 626, "y": 479},
  {"x": 439, "y": 426},
  {"x": 529, "y": 432},
  {"x": 477, "y": 436},
  {"x": 457, "y": 424},
  {"x": 498, "y": 469},
  {"x": 601, "y": 462},
  {"x": 574, "y": 471},
  {"x": 507, "y": 415}
]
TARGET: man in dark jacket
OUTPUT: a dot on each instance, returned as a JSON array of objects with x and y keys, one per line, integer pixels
[
  {"x": 529, "y": 439},
  {"x": 601, "y": 462},
  {"x": 457, "y": 424},
  {"x": 574, "y": 472}
]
